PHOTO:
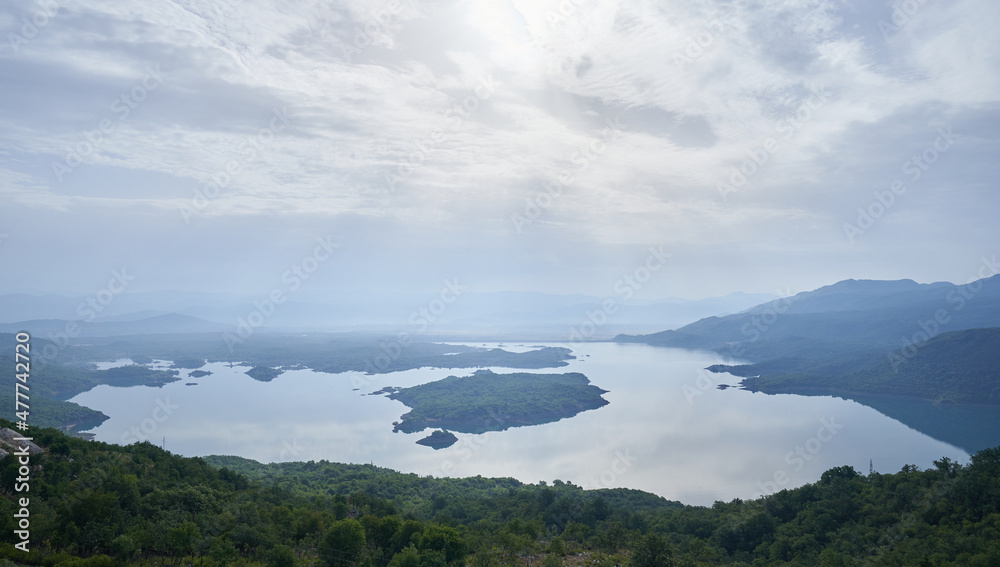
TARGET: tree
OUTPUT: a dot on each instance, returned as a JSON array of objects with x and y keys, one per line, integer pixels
[
  {"x": 343, "y": 542},
  {"x": 124, "y": 547},
  {"x": 408, "y": 557},
  {"x": 222, "y": 551},
  {"x": 652, "y": 551},
  {"x": 182, "y": 539},
  {"x": 845, "y": 472},
  {"x": 281, "y": 556},
  {"x": 445, "y": 540}
]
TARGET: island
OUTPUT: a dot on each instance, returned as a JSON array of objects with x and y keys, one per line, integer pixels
[
  {"x": 440, "y": 439},
  {"x": 486, "y": 401},
  {"x": 188, "y": 363},
  {"x": 134, "y": 375},
  {"x": 199, "y": 373},
  {"x": 264, "y": 373}
]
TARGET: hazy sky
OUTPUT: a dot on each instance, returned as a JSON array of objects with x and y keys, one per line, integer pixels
[{"x": 207, "y": 145}]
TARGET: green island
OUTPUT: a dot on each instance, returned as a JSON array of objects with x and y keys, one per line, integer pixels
[
  {"x": 264, "y": 373},
  {"x": 98, "y": 504},
  {"x": 486, "y": 401},
  {"x": 439, "y": 439},
  {"x": 199, "y": 373}
]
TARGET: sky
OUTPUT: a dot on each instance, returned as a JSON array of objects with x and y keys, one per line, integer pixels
[{"x": 702, "y": 147}]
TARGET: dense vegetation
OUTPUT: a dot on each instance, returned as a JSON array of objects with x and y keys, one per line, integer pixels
[
  {"x": 486, "y": 401},
  {"x": 99, "y": 504},
  {"x": 264, "y": 373},
  {"x": 956, "y": 367},
  {"x": 936, "y": 341},
  {"x": 55, "y": 413}
]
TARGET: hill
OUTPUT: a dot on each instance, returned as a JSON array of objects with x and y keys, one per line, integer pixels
[
  {"x": 850, "y": 336},
  {"x": 96, "y": 504},
  {"x": 955, "y": 367}
]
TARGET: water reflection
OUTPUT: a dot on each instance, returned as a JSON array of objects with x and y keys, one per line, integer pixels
[{"x": 655, "y": 435}]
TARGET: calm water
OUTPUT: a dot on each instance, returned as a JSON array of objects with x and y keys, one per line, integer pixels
[{"x": 667, "y": 430}]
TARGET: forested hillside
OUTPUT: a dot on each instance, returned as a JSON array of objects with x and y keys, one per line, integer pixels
[
  {"x": 933, "y": 341},
  {"x": 957, "y": 367},
  {"x": 98, "y": 504}
]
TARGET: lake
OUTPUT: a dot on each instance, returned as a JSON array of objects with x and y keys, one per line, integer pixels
[{"x": 667, "y": 430}]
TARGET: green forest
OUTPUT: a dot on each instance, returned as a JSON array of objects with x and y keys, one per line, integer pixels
[
  {"x": 486, "y": 401},
  {"x": 955, "y": 367},
  {"x": 96, "y": 504}
]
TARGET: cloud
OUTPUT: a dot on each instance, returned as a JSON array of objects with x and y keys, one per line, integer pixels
[{"x": 389, "y": 125}]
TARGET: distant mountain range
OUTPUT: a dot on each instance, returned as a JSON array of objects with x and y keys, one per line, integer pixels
[
  {"x": 496, "y": 315},
  {"x": 935, "y": 341}
]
